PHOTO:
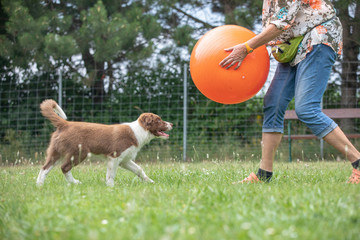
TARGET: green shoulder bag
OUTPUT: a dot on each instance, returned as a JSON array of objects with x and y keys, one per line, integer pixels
[{"x": 285, "y": 52}]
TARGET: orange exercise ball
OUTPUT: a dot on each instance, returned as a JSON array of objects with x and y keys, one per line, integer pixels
[{"x": 219, "y": 84}]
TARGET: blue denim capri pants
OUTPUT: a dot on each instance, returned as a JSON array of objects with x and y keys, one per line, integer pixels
[{"x": 306, "y": 82}]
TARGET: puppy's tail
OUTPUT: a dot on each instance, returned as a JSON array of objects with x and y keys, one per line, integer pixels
[{"x": 52, "y": 111}]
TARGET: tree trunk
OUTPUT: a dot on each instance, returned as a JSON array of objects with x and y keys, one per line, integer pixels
[
  {"x": 98, "y": 87},
  {"x": 97, "y": 83},
  {"x": 349, "y": 66},
  {"x": 229, "y": 7}
]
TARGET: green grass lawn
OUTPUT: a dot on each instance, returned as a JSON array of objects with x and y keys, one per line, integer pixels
[{"x": 306, "y": 200}]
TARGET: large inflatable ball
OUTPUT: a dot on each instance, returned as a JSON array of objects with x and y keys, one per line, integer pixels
[{"x": 227, "y": 86}]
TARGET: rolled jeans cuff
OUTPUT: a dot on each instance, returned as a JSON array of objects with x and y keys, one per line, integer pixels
[
  {"x": 273, "y": 130},
  {"x": 327, "y": 130}
]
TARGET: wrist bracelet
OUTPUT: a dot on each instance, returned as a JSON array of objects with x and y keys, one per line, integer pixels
[{"x": 248, "y": 48}]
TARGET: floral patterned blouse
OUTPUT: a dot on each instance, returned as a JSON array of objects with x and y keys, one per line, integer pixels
[{"x": 315, "y": 19}]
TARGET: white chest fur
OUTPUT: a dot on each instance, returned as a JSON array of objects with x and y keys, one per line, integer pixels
[{"x": 142, "y": 136}]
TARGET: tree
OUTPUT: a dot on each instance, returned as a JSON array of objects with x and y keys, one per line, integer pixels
[
  {"x": 76, "y": 35},
  {"x": 349, "y": 14},
  {"x": 239, "y": 12}
]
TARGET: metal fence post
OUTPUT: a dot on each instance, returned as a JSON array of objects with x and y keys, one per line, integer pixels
[
  {"x": 289, "y": 139},
  {"x": 60, "y": 88},
  {"x": 321, "y": 140},
  {"x": 185, "y": 114}
]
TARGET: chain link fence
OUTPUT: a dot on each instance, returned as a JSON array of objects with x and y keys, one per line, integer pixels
[{"x": 203, "y": 129}]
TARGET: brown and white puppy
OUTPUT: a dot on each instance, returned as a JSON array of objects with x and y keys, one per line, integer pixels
[{"x": 73, "y": 141}]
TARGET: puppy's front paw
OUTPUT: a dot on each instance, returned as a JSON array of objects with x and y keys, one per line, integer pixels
[
  {"x": 149, "y": 180},
  {"x": 77, "y": 182},
  {"x": 39, "y": 184},
  {"x": 110, "y": 183}
]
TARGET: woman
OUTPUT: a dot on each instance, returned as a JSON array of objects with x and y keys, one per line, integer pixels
[{"x": 304, "y": 78}]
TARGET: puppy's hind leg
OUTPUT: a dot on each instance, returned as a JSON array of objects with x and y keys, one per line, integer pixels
[
  {"x": 70, "y": 161},
  {"x": 51, "y": 158},
  {"x": 42, "y": 175},
  {"x": 111, "y": 170},
  {"x": 133, "y": 167}
]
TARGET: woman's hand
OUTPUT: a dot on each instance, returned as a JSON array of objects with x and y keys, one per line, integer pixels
[
  {"x": 237, "y": 55},
  {"x": 239, "y": 51}
]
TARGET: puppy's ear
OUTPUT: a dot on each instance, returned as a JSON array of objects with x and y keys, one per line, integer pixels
[{"x": 146, "y": 120}]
